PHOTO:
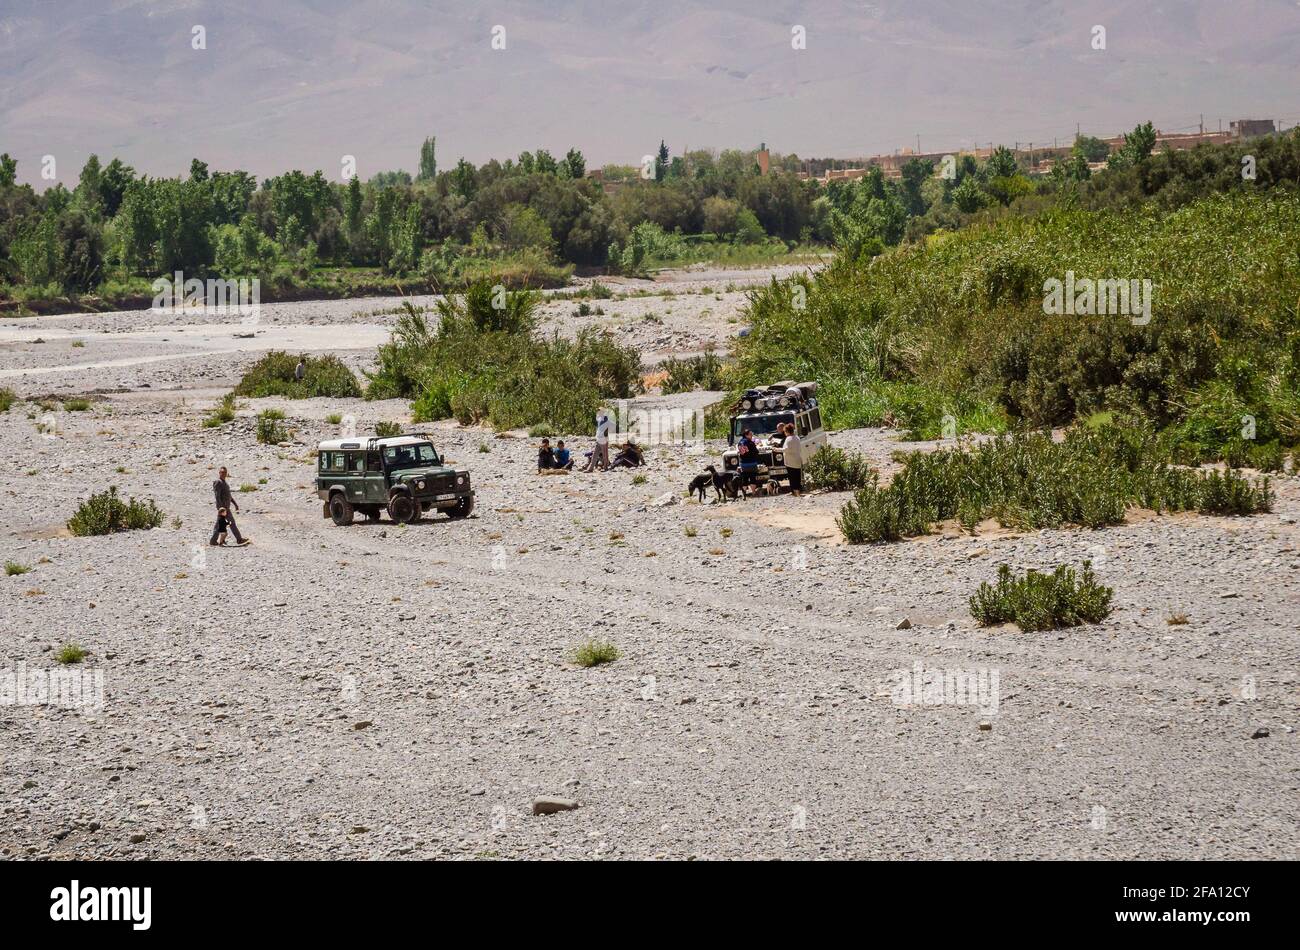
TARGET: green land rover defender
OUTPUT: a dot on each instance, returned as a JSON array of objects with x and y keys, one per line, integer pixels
[{"x": 403, "y": 474}]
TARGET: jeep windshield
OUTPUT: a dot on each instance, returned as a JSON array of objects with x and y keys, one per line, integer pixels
[
  {"x": 763, "y": 426},
  {"x": 417, "y": 454}
]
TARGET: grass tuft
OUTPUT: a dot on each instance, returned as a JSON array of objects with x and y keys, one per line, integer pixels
[{"x": 595, "y": 652}]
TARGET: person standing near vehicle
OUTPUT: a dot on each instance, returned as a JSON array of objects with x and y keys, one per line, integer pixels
[
  {"x": 226, "y": 508},
  {"x": 793, "y": 449},
  {"x": 748, "y": 459}
]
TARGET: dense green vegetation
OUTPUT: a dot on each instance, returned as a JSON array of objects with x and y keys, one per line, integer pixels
[
  {"x": 837, "y": 469},
  {"x": 1039, "y": 601},
  {"x": 106, "y": 513},
  {"x": 951, "y": 331},
  {"x": 274, "y": 375},
  {"x": 693, "y": 372},
  {"x": 525, "y": 222},
  {"x": 1029, "y": 481},
  {"x": 485, "y": 362}
]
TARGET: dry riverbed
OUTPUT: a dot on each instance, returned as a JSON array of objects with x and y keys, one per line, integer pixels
[{"x": 382, "y": 691}]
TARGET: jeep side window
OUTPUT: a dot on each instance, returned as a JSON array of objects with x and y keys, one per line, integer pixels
[
  {"x": 372, "y": 462},
  {"x": 356, "y": 462},
  {"x": 816, "y": 418},
  {"x": 331, "y": 461},
  {"x": 805, "y": 425}
]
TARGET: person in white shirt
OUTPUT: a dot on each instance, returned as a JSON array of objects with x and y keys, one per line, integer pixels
[
  {"x": 793, "y": 449},
  {"x": 600, "y": 455}
]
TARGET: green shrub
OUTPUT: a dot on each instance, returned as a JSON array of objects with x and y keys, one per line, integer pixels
[
  {"x": 595, "y": 652},
  {"x": 269, "y": 429},
  {"x": 7, "y": 398},
  {"x": 1029, "y": 481},
  {"x": 695, "y": 372},
  {"x": 76, "y": 405},
  {"x": 488, "y": 365},
  {"x": 106, "y": 513},
  {"x": 1042, "y": 601},
  {"x": 70, "y": 653},
  {"x": 273, "y": 375},
  {"x": 13, "y": 568},
  {"x": 334, "y": 418},
  {"x": 836, "y": 469},
  {"x": 223, "y": 413},
  {"x": 387, "y": 430}
]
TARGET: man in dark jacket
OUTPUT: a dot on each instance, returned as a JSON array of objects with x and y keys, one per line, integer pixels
[{"x": 224, "y": 499}]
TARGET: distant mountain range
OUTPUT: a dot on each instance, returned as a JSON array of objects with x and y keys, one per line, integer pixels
[{"x": 301, "y": 83}]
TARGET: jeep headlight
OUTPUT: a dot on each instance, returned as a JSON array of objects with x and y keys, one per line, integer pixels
[
  {"x": 778, "y": 458},
  {"x": 420, "y": 484},
  {"x": 460, "y": 479}
]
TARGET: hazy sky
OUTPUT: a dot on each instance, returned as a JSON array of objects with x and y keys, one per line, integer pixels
[{"x": 302, "y": 83}]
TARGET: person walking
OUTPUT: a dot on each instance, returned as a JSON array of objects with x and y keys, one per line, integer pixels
[
  {"x": 793, "y": 449},
  {"x": 226, "y": 508},
  {"x": 300, "y": 370},
  {"x": 600, "y": 456}
]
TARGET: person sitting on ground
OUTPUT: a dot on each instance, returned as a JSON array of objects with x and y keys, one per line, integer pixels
[
  {"x": 563, "y": 457},
  {"x": 629, "y": 456},
  {"x": 545, "y": 457}
]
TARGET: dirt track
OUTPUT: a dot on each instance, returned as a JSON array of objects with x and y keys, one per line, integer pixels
[{"x": 387, "y": 691}]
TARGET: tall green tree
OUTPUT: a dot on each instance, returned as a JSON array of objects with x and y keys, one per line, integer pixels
[
  {"x": 577, "y": 164},
  {"x": 428, "y": 160}
]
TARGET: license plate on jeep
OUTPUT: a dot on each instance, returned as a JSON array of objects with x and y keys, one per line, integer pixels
[{"x": 445, "y": 497}]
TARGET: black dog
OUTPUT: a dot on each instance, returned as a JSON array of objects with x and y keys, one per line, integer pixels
[
  {"x": 700, "y": 483},
  {"x": 727, "y": 484}
]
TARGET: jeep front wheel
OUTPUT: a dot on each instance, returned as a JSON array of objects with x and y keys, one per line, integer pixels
[
  {"x": 340, "y": 510},
  {"x": 403, "y": 508},
  {"x": 463, "y": 508}
]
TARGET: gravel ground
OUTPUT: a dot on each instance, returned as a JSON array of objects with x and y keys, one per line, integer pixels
[{"x": 381, "y": 691}]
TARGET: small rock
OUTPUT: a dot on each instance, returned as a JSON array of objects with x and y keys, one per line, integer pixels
[
  {"x": 1261, "y": 733},
  {"x": 986, "y": 726},
  {"x": 138, "y": 837},
  {"x": 547, "y": 805},
  {"x": 363, "y": 724},
  {"x": 904, "y": 624}
]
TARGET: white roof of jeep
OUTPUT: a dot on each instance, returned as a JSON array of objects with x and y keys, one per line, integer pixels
[{"x": 361, "y": 442}]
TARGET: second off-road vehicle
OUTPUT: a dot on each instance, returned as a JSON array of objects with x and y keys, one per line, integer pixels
[
  {"x": 403, "y": 475},
  {"x": 763, "y": 410}
]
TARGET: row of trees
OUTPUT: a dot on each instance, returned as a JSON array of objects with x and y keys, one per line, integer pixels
[{"x": 118, "y": 226}]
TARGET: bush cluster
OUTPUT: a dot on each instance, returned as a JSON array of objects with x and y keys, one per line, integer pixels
[
  {"x": 836, "y": 469},
  {"x": 106, "y": 513},
  {"x": 273, "y": 375},
  {"x": 486, "y": 363},
  {"x": 705, "y": 371},
  {"x": 1030, "y": 481},
  {"x": 1039, "y": 601}
]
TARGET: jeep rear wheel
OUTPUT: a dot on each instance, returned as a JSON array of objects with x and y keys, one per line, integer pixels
[
  {"x": 340, "y": 510},
  {"x": 403, "y": 508},
  {"x": 463, "y": 508}
]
